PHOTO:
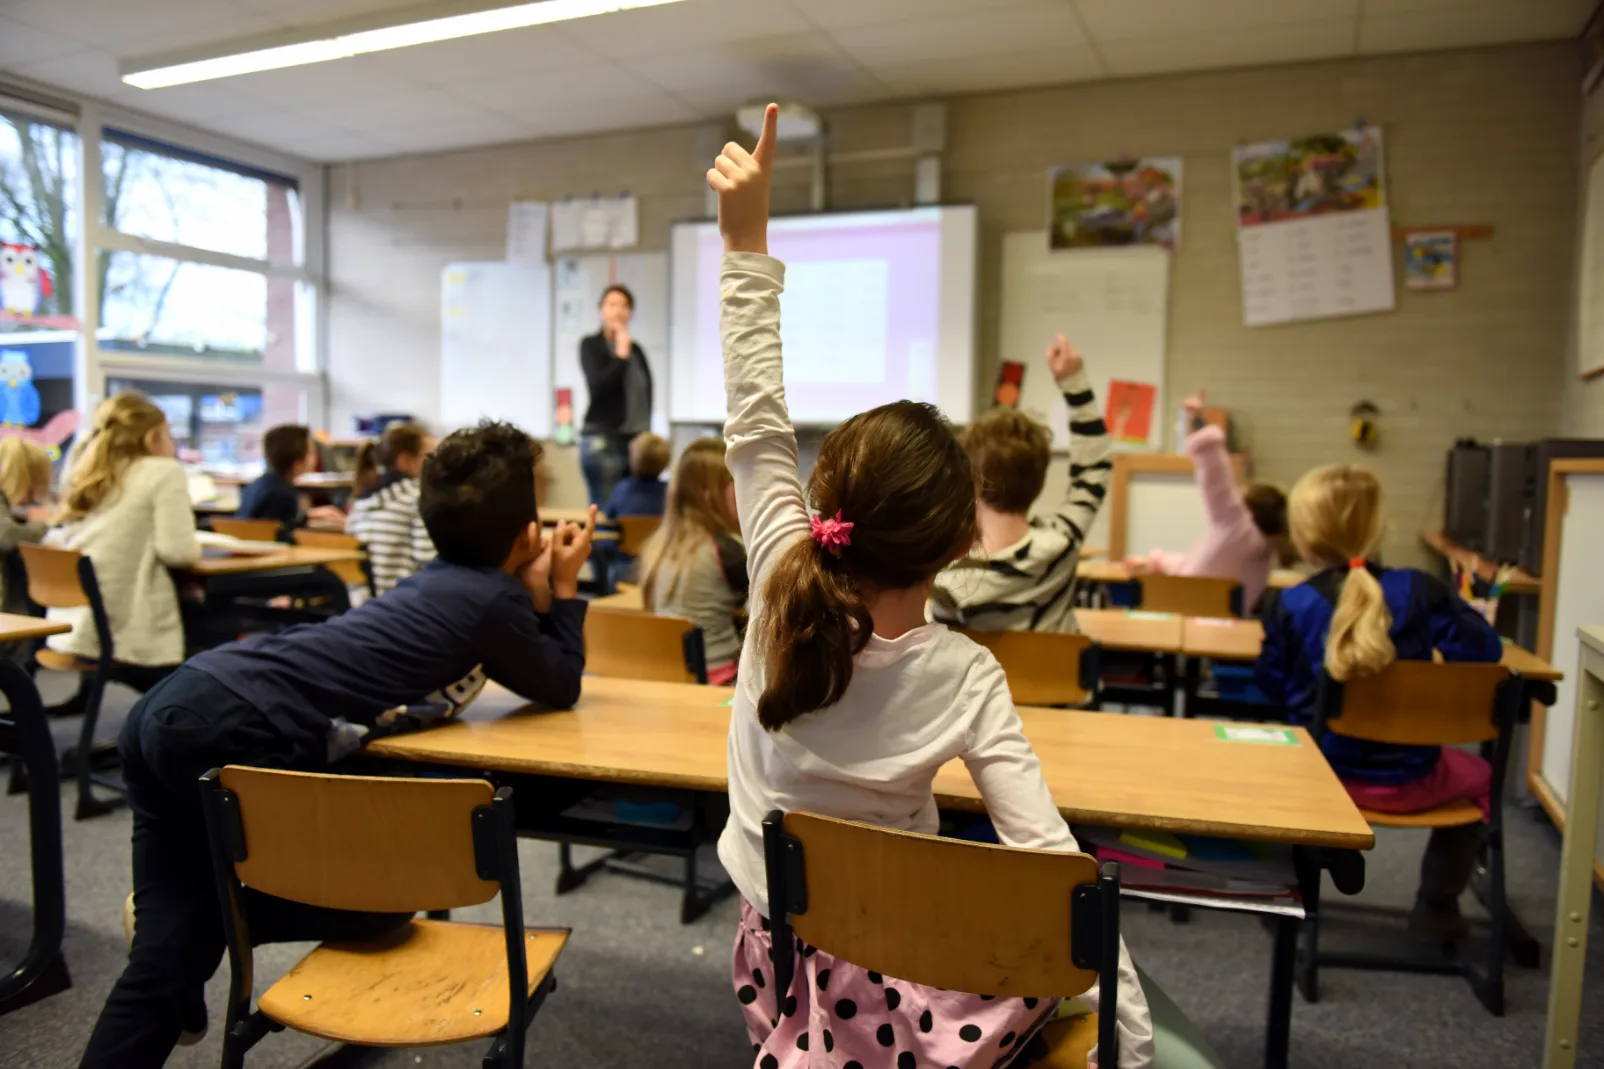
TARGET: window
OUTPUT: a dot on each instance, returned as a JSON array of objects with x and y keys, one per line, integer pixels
[{"x": 220, "y": 425}]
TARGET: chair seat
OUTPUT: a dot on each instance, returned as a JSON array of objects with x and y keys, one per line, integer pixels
[
  {"x": 56, "y": 661},
  {"x": 1450, "y": 815},
  {"x": 431, "y": 982}
]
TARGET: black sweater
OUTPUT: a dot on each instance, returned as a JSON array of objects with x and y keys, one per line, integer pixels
[{"x": 604, "y": 375}]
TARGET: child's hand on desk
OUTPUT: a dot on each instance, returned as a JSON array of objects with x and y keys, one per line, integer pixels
[
  {"x": 536, "y": 575},
  {"x": 570, "y": 548},
  {"x": 1062, "y": 359},
  {"x": 326, "y": 515},
  {"x": 741, "y": 180}
]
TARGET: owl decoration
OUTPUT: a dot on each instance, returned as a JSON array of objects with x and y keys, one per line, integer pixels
[
  {"x": 23, "y": 282},
  {"x": 19, "y": 397}
]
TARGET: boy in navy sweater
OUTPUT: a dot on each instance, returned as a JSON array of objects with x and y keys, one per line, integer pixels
[
  {"x": 289, "y": 453},
  {"x": 501, "y": 601}
]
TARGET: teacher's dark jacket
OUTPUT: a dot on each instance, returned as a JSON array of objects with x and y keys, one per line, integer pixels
[{"x": 604, "y": 375}]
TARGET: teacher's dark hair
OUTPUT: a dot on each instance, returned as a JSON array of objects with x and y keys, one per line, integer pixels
[{"x": 618, "y": 287}]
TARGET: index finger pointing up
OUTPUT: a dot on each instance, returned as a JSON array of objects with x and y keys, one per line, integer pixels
[{"x": 764, "y": 153}]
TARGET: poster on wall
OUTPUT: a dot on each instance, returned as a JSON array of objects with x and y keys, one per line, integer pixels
[
  {"x": 1129, "y": 416},
  {"x": 1431, "y": 260},
  {"x": 1115, "y": 202},
  {"x": 1313, "y": 233}
]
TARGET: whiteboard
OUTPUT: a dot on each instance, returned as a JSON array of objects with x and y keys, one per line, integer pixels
[
  {"x": 1590, "y": 290},
  {"x": 1579, "y": 602},
  {"x": 495, "y": 345},
  {"x": 577, "y": 290},
  {"x": 1112, "y": 304},
  {"x": 1163, "y": 510}
]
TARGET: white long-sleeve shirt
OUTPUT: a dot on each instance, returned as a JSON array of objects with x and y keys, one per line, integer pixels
[
  {"x": 915, "y": 702},
  {"x": 145, "y": 527}
]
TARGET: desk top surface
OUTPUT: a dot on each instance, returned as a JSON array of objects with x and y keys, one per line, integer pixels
[
  {"x": 15, "y": 628},
  {"x": 1122, "y": 629},
  {"x": 1103, "y": 768},
  {"x": 288, "y": 557},
  {"x": 1108, "y": 571}
]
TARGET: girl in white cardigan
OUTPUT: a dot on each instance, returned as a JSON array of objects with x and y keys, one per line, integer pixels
[
  {"x": 127, "y": 509},
  {"x": 847, "y": 701}
]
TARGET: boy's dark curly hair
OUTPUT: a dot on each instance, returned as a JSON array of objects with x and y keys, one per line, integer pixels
[{"x": 478, "y": 493}]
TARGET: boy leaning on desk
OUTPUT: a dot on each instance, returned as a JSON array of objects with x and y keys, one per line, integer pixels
[{"x": 500, "y": 602}]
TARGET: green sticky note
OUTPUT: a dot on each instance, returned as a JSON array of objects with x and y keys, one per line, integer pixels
[
  {"x": 727, "y": 702},
  {"x": 1255, "y": 733}
]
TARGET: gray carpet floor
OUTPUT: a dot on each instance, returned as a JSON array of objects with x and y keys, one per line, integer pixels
[{"x": 638, "y": 989}]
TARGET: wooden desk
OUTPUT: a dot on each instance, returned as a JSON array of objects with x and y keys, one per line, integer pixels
[
  {"x": 551, "y": 516},
  {"x": 326, "y": 480},
  {"x": 1120, "y": 629},
  {"x": 619, "y": 733},
  {"x": 1239, "y": 640},
  {"x": 629, "y": 598},
  {"x": 217, "y": 506},
  {"x": 288, "y": 557},
  {"x": 1109, "y": 571},
  {"x": 15, "y": 628}
]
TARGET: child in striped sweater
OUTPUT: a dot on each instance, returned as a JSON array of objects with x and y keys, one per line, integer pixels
[
  {"x": 384, "y": 514},
  {"x": 1021, "y": 577}
]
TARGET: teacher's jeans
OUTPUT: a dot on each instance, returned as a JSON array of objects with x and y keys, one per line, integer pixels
[{"x": 604, "y": 459}]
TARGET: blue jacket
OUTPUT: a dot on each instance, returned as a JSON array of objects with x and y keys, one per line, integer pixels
[
  {"x": 272, "y": 497},
  {"x": 1426, "y": 616},
  {"x": 636, "y": 495}
]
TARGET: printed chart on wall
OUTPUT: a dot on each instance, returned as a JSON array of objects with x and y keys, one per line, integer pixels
[
  {"x": 1113, "y": 306},
  {"x": 579, "y": 281},
  {"x": 1312, "y": 227}
]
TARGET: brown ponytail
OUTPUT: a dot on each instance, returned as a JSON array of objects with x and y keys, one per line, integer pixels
[
  {"x": 380, "y": 454},
  {"x": 367, "y": 468},
  {"x": 1335, "y": 517},
  {"x": 899, "y": 476}
]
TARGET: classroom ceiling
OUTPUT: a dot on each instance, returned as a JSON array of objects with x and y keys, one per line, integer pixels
[{"x": 700, "y": 59}]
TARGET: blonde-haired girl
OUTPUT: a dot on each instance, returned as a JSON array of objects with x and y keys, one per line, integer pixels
[
  {"x": 126, "y": 507},
  {"x": 24, "y": 482},
  {"x": 1353, "y": 619},
  {"x": 694, "y": 565}
]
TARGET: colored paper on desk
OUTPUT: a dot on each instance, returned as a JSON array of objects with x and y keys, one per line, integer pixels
[
  {"x": 1247, "y": 733},
  {"x": 1109, "y": 853},
  {"x": 728, "y": 702},
  {"x": 1138, "y": 614},
  {"x": 1155, "y": 842}
]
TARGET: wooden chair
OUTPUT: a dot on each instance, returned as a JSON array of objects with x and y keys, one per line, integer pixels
[
  {"x": 350, "y": 572},
  {"x": 1421, "y": 703},
  {"x": 247, "y": 530},
  {"x": 1189, "y": 595},
  {"x": 633, "y": 531},
  {"x": 384, "y": 845},
  {"x": 635, "y": 645},
  {"x": 1034, "y": 923},
  {"x": 65, "y": 579},
  {"x": 1045, "y": 667}
]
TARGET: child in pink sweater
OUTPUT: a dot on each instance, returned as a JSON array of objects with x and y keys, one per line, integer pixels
[{"x": 1247, "y": 527}]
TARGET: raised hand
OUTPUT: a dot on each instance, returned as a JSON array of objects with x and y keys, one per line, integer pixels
[
  {"x": 1194, "y": 407},
  {"x": 536, "y": 575},
  {"x": 622, "y": 343},
  {"x": 570, "y": 544},
  {"x": 741, "y": 180},
  {"x": 1062, "y": 359}
]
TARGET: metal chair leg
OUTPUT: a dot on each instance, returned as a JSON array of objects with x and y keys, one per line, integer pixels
[{"x": 88, "y": 805}]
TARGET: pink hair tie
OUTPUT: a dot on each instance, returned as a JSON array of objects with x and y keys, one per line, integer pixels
[{"x": 832, "y": 534}]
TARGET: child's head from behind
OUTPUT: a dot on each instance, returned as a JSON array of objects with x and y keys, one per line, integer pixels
[
  {"x": 126, "y": 427},
  {"x": 1336, "y": 521},
  {"x": 1009, "y": 452},
  {"x": 477, "y": 498},
  {"x": 287, "y": 450},
  {"x": 700, "y": 504},
  {"x": 1267, "y": 504},
  {"x": 402, "y": 448},
  {"x": 24, "y": 471},
  {"x": 648, "y": 455},
  {"x": 898, "y": 475}
]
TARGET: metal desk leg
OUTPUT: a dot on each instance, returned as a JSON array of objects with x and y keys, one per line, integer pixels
[
  {"x": 43, "y": 971},
  {"x": 1283, "y": 960},
  {"x": 1193, "y": 682}
]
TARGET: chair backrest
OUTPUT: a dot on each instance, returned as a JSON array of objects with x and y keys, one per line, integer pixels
[
  {"x": 349, "y": 572},
  {"x": 1190, "y": 595},
  {"x": 54, "y": 579},
  {"x": 1044, "y": 667},
  {"x": 1418, "y": 703},
  {"x": 633, "y": 531},
  {"x": 380, "y": 844},
  {"x": 638, "y": 645},
  {"x": 247, "y": 530},
  {"x": 991, "y": 920}
]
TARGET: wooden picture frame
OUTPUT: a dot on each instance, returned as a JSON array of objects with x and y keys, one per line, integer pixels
[{"x": 1134, "y": 465}]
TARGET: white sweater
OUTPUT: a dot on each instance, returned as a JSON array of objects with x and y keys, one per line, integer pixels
[
  {"x": 914, "y": 703},
  {"x": 145, "y": 527}
]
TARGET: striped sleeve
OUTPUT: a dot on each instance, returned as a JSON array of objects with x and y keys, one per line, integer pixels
[
  {"x": 1090, "y": 459},
  {"x": 423, "y": 550}
]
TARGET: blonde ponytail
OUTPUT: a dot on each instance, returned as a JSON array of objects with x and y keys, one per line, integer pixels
[
  {"x": 120, "y": 435},
  {"x": 1335, "y": 518}
]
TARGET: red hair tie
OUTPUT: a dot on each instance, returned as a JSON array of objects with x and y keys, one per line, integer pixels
[
  {"x": 1357, "y": 562},
  {"x": 832, "y": 533}
]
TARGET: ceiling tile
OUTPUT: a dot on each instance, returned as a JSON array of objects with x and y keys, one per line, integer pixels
[
  {"x": 1457, "y": 27},
  {"x": 806, "y": 67},
  {"x": 357, "y": 78},
  {"x": 20, "y": 43},
  {"x": 997, "y": 30},
  {"x": 333, "y": 148},
  {"x": 1237, "y": 48},
  {"x": 837, "y": 14},
  {"x": 396, "y": 112},
  {"x": 311, "y": 13},
  {"x": 486, "y": 56},
  {"x": 619, "y": 114},
  {"x": 1127, "y": 20},
  {"x": 539, "y": 90},
  {"x": 652, "y": 31},
  {"x": 483, "y": 129},
  {"x": 1045, "y": 66},
  {"x": 267, "y": 127},
  {"x": 170, "y": 24},
  {"x": 92, "y": 73},
  {"x": 200, "y": 103}
]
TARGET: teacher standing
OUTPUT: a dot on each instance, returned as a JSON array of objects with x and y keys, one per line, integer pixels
[{"x": 620, "y": 383}]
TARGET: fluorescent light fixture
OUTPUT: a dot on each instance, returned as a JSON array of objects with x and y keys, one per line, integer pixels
[{"x": 342, "y": 46}]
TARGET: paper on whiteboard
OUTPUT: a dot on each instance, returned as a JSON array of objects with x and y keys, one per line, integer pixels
[
  {"x": 595, "y": 223},
  {"x": 566, "y": 228},
  {"x": 526, "y": 232},
  {"x": 624, "y": 229}
]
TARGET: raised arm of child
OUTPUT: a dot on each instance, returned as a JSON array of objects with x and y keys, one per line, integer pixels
[
  {"x": 1008, "y": 774},
  {"x": 762, "y": 454},
  {"x": 1223, "y": 506},
  {"x": 1089, "y": 444}
]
